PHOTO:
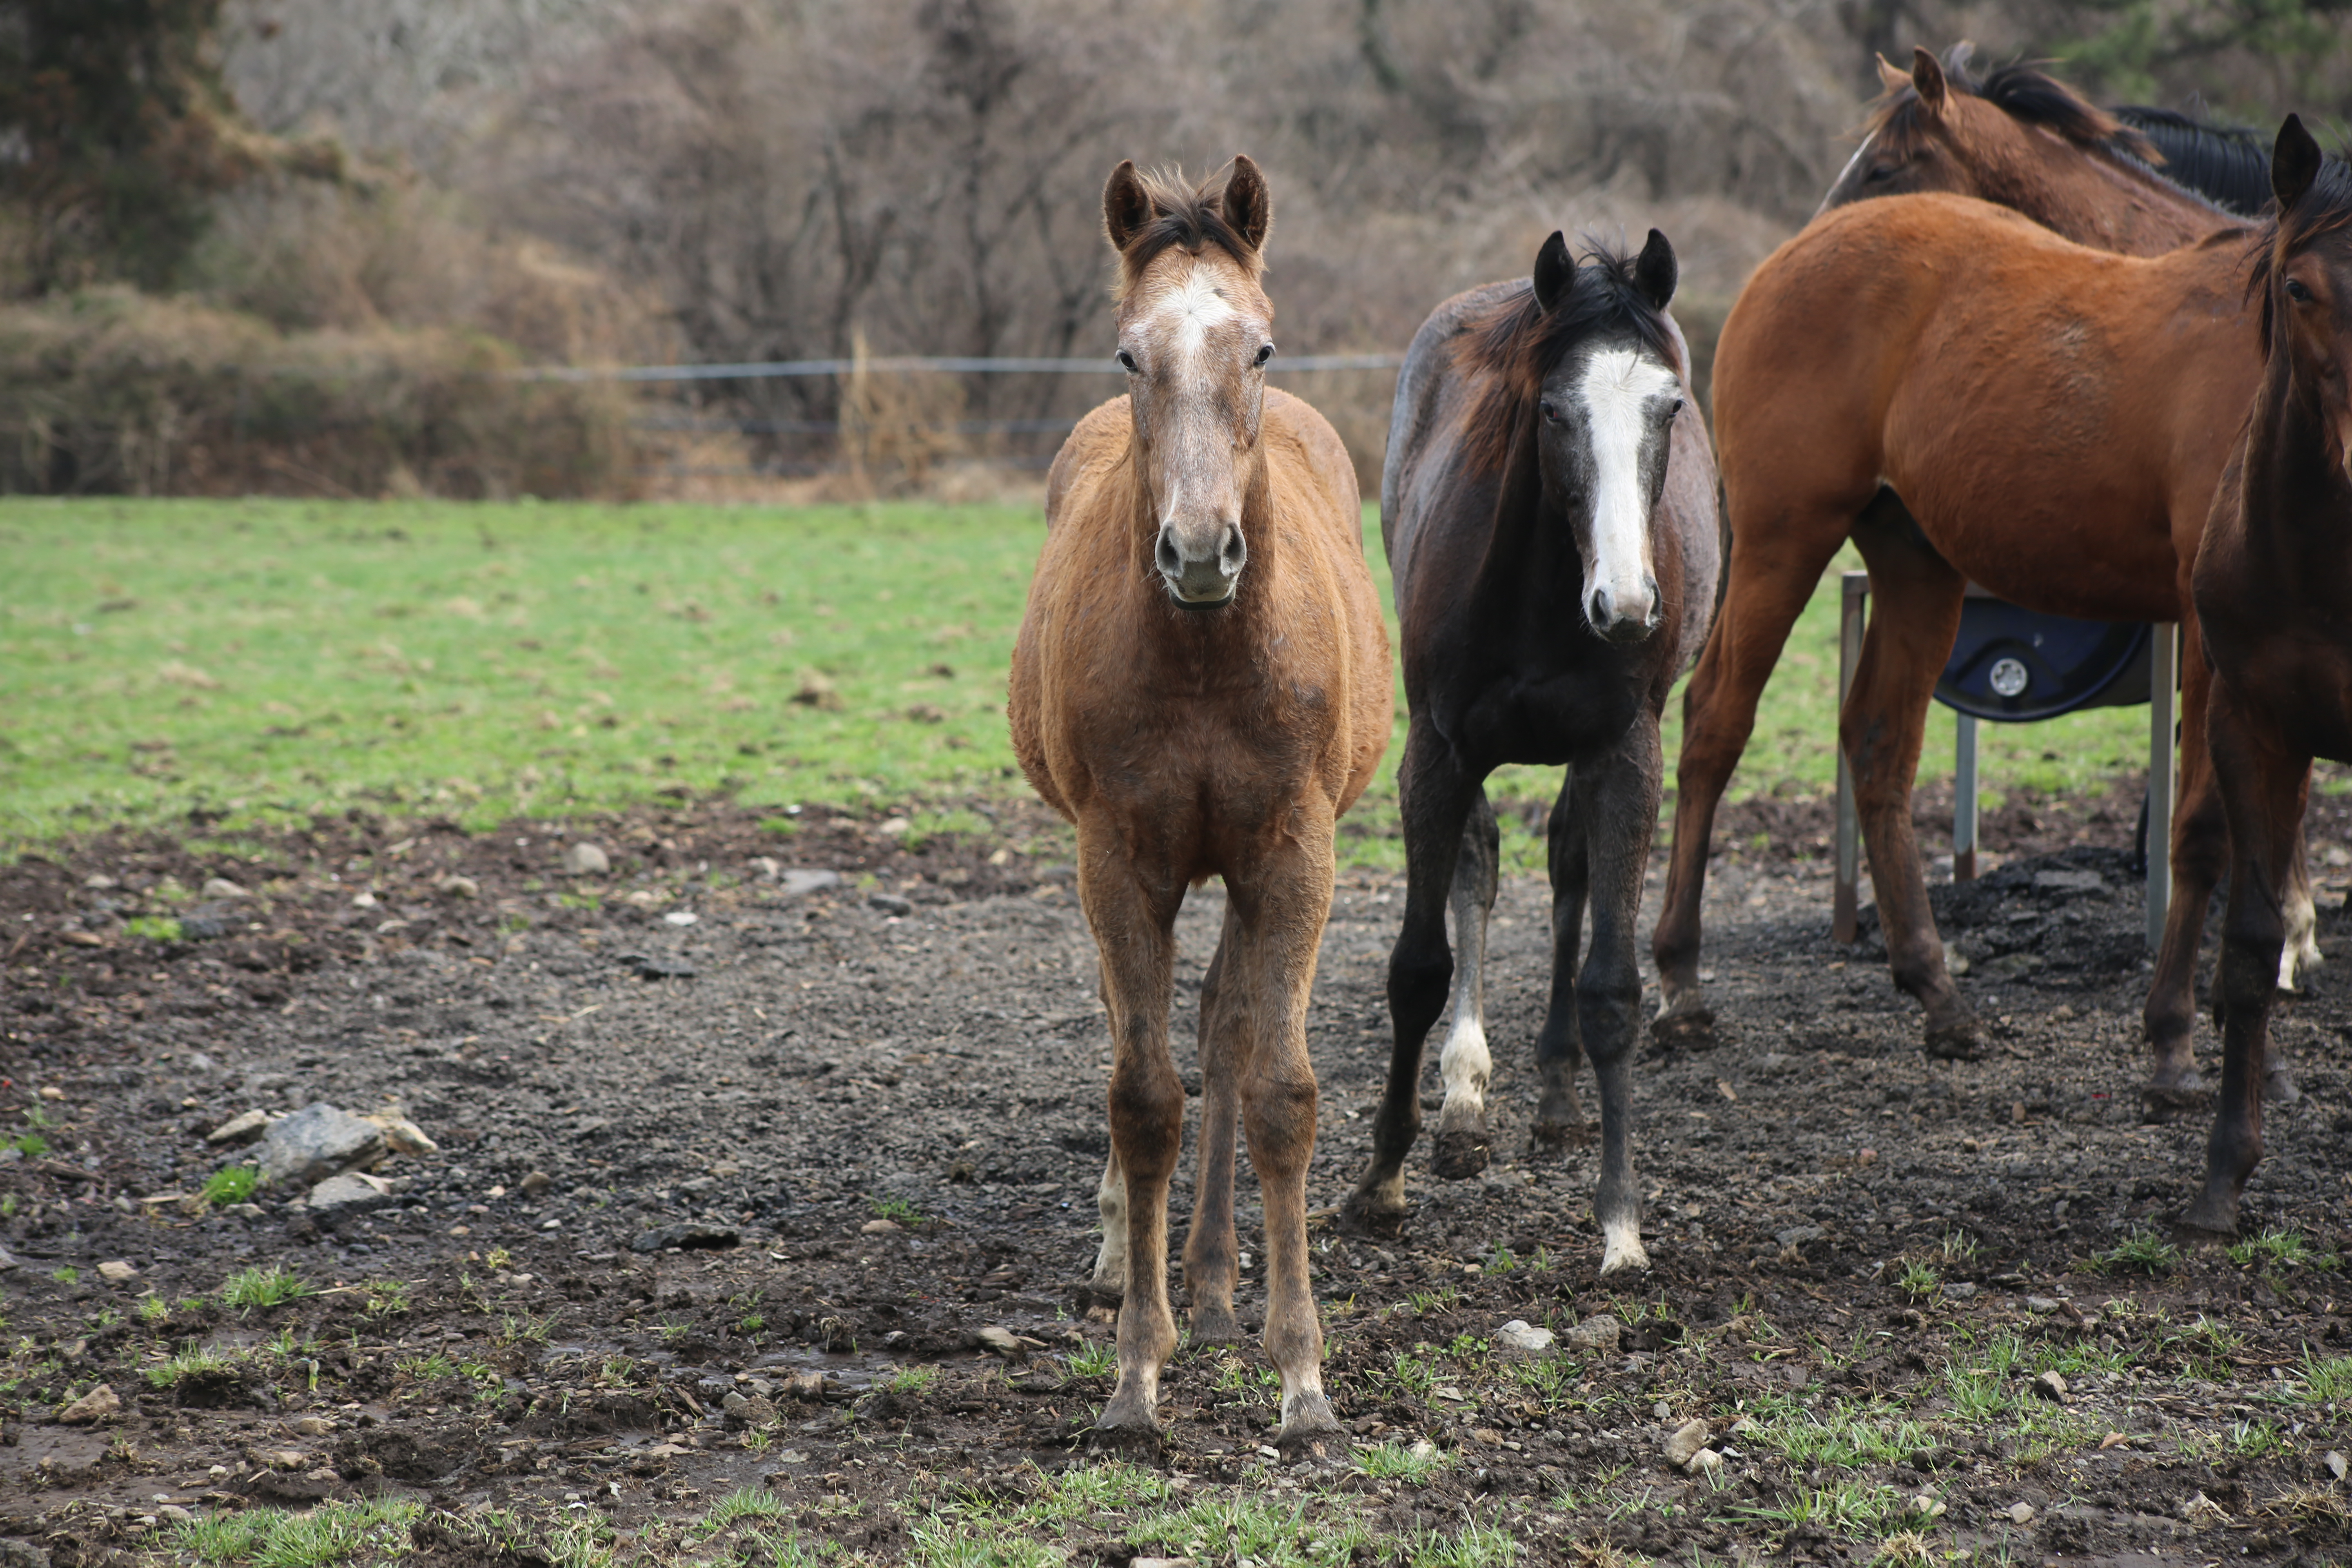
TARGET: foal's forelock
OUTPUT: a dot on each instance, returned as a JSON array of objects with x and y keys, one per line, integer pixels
[{"x": 1619, "y": 390}]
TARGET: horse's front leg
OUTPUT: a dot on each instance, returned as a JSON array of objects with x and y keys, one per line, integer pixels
[
  {"x": 1133, "y": 916},
  {"x": 1285, "y": 902},
  {"x": 1433, "y": 797},
  {"x": 1109, "y": 1281},
  {"x": 1212, "y": 1254},
  {"x": 1559, "y": 1116},
  {"x": 2262, "y": 784},
  {"x": 1618, "y": 809},
  {"x": 1466, "y": 1065}
]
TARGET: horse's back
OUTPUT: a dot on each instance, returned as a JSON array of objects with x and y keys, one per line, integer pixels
[{"x": 1431, "y": 388}]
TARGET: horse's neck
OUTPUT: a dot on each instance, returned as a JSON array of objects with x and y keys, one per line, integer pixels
[
  {"x": 1527, "y": 544},
  {"x": 2094, "y": 198},
  {"x": 2292, "y": 478}
]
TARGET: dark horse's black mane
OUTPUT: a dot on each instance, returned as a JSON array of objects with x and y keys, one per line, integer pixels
[
  {"x": 1516, "y": 343},
  {"x": 2323, "y": 208},
  {"x": 2227, "y": 165}
]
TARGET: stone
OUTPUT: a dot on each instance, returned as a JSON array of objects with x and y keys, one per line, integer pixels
[
  {"x": 879, "y": 1227},
  {"x": 808, "y": 1387},
  {"x": 318, "y": 1142},
  {"x": 680, "y": 918},
  {"x": 1597, "y": 1335},
  {"x": 118, "y": 1272},
  {"x": 2021, "y": 1513},
  {"x": 456, "y": 886},
  {"x": 891, "y": 904},
  {"x": 23, "y": 1554},
  {"x": 1522, "y": 1341},
  {"x": 403, "y": 1136},
  {"x": 2335, "y": 1461},
  {"x": 240, "y": 1128},
  {"x": 815, "y": 691},
  {"x": 534, "y": 1183},
  {"x": 799, "y": 882},
  {"x": 2040, "y": 1304},
  {"x": 747, "y": 1409},
  {"x": 222, "y": 888},
  {"x": 173, "y": 1514},
  {"x": 1160, "y": 1563},
  {"x": 313, "y": 1426},
  {"x": 1961, "y": 1290},
  {"x": 2051, "y": 1386},
  {"x": 688, "y": 1234},
  {"x": 2069, "y": 882},
  {"x": 1687, "y": 1440},
  {"x": 7, "y": 1260},
  {"x": 1002, "y": 1340},
  {"x": 354, "y": 1192},
  {"x": 1706, "y": 1462},
  {"x": 1799, "y": 1235},
  {"x": 585, "y": 859},
  {"x": 96, "y": 1405}
]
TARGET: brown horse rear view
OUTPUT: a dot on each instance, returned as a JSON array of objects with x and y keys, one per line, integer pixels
[{"x": 1202, "y": 686}]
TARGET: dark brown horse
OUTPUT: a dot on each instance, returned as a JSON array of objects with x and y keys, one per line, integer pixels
[
  {"x": 2274, "y": 591},
  {"x": 1548, "y": 508},
  {"x": 2035, "y": 143},
  {"x": 1202, "y": 686}
]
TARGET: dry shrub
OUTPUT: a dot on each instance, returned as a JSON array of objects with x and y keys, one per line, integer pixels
[
  {"x": 896, "y": 425},
  {"x": 113, "y": 391}
]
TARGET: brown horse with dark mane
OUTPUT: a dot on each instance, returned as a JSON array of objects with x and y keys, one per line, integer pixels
[
  {"x": 1202, "y": 686},
  {"x": 2044, "y": 151},
  {"x": 2274, "y": 589}
]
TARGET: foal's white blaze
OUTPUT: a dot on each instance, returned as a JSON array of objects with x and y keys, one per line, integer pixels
[
  {"x": 1198, "y": 305},
  {"x": 1619, "y": 390}
]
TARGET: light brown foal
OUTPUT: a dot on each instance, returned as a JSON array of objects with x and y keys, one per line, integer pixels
[{"x": 1202, "y": 686}]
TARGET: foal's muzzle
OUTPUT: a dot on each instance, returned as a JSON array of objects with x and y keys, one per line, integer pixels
[
  {"x": 1201, "y": 572},
  {"x": 1626, "y": 618}
]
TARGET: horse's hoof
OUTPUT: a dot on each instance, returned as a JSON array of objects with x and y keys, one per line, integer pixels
[
  {"x": 1360, "y": 1216},
  {"x": 1456, "y": 1155},
  {"x": 1961, "y": 1042},
  {"x": 1089, "y": 1293},
  {"x": 1310, "y": 1431},
  {"x": 1127, "y": 1425},
  {"x": 2211, "y": 1222},
  {"x": 2168, "y": 1094},
  {"x": 1684, "y": 1021},
  {"x": 1553, "y": 1140},
  {"x": 1212, "y": 1323},
  {"x": 1127, "y": 1442},
  {"x": 2278, "y": 1087}
]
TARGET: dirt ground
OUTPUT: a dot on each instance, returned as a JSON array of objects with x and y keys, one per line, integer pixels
[{"x": 877, "y": 1106}]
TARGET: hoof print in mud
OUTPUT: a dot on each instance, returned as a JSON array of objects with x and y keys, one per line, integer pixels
[{"x": 1459, "y": 1154}]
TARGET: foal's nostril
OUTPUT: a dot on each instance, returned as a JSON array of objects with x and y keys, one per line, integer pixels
[
  {"x": 1166, "y": 557},
  {"x": 1233, "y": 552},
  {"x": 1597, "y": 609}
]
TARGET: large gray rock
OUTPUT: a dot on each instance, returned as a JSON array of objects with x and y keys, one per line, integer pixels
[
  {"x": 352, "y": 1192},
  {"x": 318, "y": 1142},
  {"x": 585, "y": 859},
  {"x": 1597, "y": 1335}
]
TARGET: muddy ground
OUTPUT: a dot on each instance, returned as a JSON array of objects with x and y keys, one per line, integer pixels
[{"x": 1863, "y": 1258}]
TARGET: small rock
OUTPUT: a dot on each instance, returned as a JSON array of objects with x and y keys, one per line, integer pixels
[
  {"x": 7, "y": 1260},
  {"x": 808, "y": 1387},
  {"x": 2068, "y": 882},
  {"x": 1597, "y": 1335},
  {"x": 747, "y": 1409},
  {"x": 117, "y": 1273},
  {"x": 96, "y": 1405},
  {"x": 657, "y": 966},
  {"x": 816, "y": 692},
  {"x": 222, "y": 888},
  {"x": 240, "y": 1128},
  {"x": 1706, "y": 1462},
  {"x": 1687, "y": 1440},
  {"x": 243, "y": 1211},
  {"x": 99, "y": 882},
  {"x": 799, "y": 882},
  {"x": 879, "y": 1227},
  {"x": 1928, "y": 1505},
  {"x": 680, "y": 918},
  {"x": 284, "y": 1458},
  {"x": 585, "y": 859},
  {"x": 2040, "y": 1304},
  {"x": 313, "y": 1426},
  {"x": 173, "y": 1514},
  {"x": 2051, "y": 1386},
  {"x": 1521, "y": 1339},
  {"x": 318, "y": 1142},
  {"x": 1867, "y": 1157},
  {"x": 766, "y": 866},
  {"x": 1961, "y": 1290},
  {"x": 403, "y": 1136},
  {"x": 2022, "y": 1512},
  {"x": 534, "y": 1183},
  {"x": 1002, "y": 1340},
  {"x": 458, "y": 887},
  {"x": 893, "y": 826},
  {"x": 891, "y": 904},
  {"x": 1799, "y": 1235},
  {"x": 2334, "y": 1462},
  {"x": 354, "y": 1192},
  {"x": 689, "y": 1233}
]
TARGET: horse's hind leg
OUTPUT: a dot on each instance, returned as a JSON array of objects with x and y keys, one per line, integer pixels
[
  {"x": 1910, "y": 637},
  {"x": 1212, "y": 1255},
  {"x": 1287, "y": 899},
  {"x": 2200, "y": 853},
  {"x": 2301, "y": 947},
  {"x": 1773, "y": 572},
  {"x": 1560, "y": 1118},
  {"x": 1433, "y": 797},
  {"x": 1109, "y": 1281},
  {"x": 1618, "y": 803},
  {"x": 1460, "y": 1148}
]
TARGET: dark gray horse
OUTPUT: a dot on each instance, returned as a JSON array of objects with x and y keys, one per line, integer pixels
[{"x": 1549, "y": 507}]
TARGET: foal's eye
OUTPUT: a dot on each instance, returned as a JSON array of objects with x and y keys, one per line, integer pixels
[
  {"x": 1126, "y": 361},
  {"x": 1550, "y": 412},
  {"x": 1265, "y": 352},
  {"x": 1879, "y": 174},
  {"x": 2297, "y": 292},
  {"x": 1675, "y": 409}
]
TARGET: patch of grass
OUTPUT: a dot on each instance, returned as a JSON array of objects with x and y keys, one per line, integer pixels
[
  {"x": 1473, "y": 1546},
  {"x": 2278, "y": 1248},
  {"x": 2318, "y": 1381},
  {"x": 526, "y": 1330},
  {"x": 1413, "y": 1375},
  {"x": 1096, "y": 1358},
  {"x": 231, "y": 1184},
  {"x": 66, "y": 1274},
  {"x": 744, "y": 1503},
  {"x": 201, "y": 1361},
  {"x": 261, "y": 1288},
  {"x": 387, "y": 1297},
  {"x": 1419, "y": 1463},
  {"x": 1959, "y": 1247},
  {"x": 153, "y": 928},
  {"x": 1838, "y": 1434},
  {"x": 31, "y": 1145},
  {"x": 427, "y": 1368},
  {"x": 152, "y": 1309},
  {"x": 1918, "y": 1281},
  {"x": 2142, "y": 1252},
  {"x": 898, "y": 1211},
  {"x": 912, "y": 1379}
]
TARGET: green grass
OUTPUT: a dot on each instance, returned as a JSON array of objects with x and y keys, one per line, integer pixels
[
  {"x": 332, "y": 1532},
  {"x": 1396, "y": 1462},
  {"x": 270, "y": 660},
  {"x": 271, "y": 1287},
  {"x": 2142, "y": 1252},
  {"x": 233, "y": 1185},
  {"x": 196, "y": 1363}
]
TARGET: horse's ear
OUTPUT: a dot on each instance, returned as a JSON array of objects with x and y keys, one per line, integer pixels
[
  {"x": 1555, "y": 272},
  {"x": 1249, "y": 205},
  {"x": 1655, "y": 272},
  {"x": 1891, "y": 79},
  {"x": 1927, "y": 78},
  {"x": 1127, "y": 205},
  {"x": 2295, "y": 163}
]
